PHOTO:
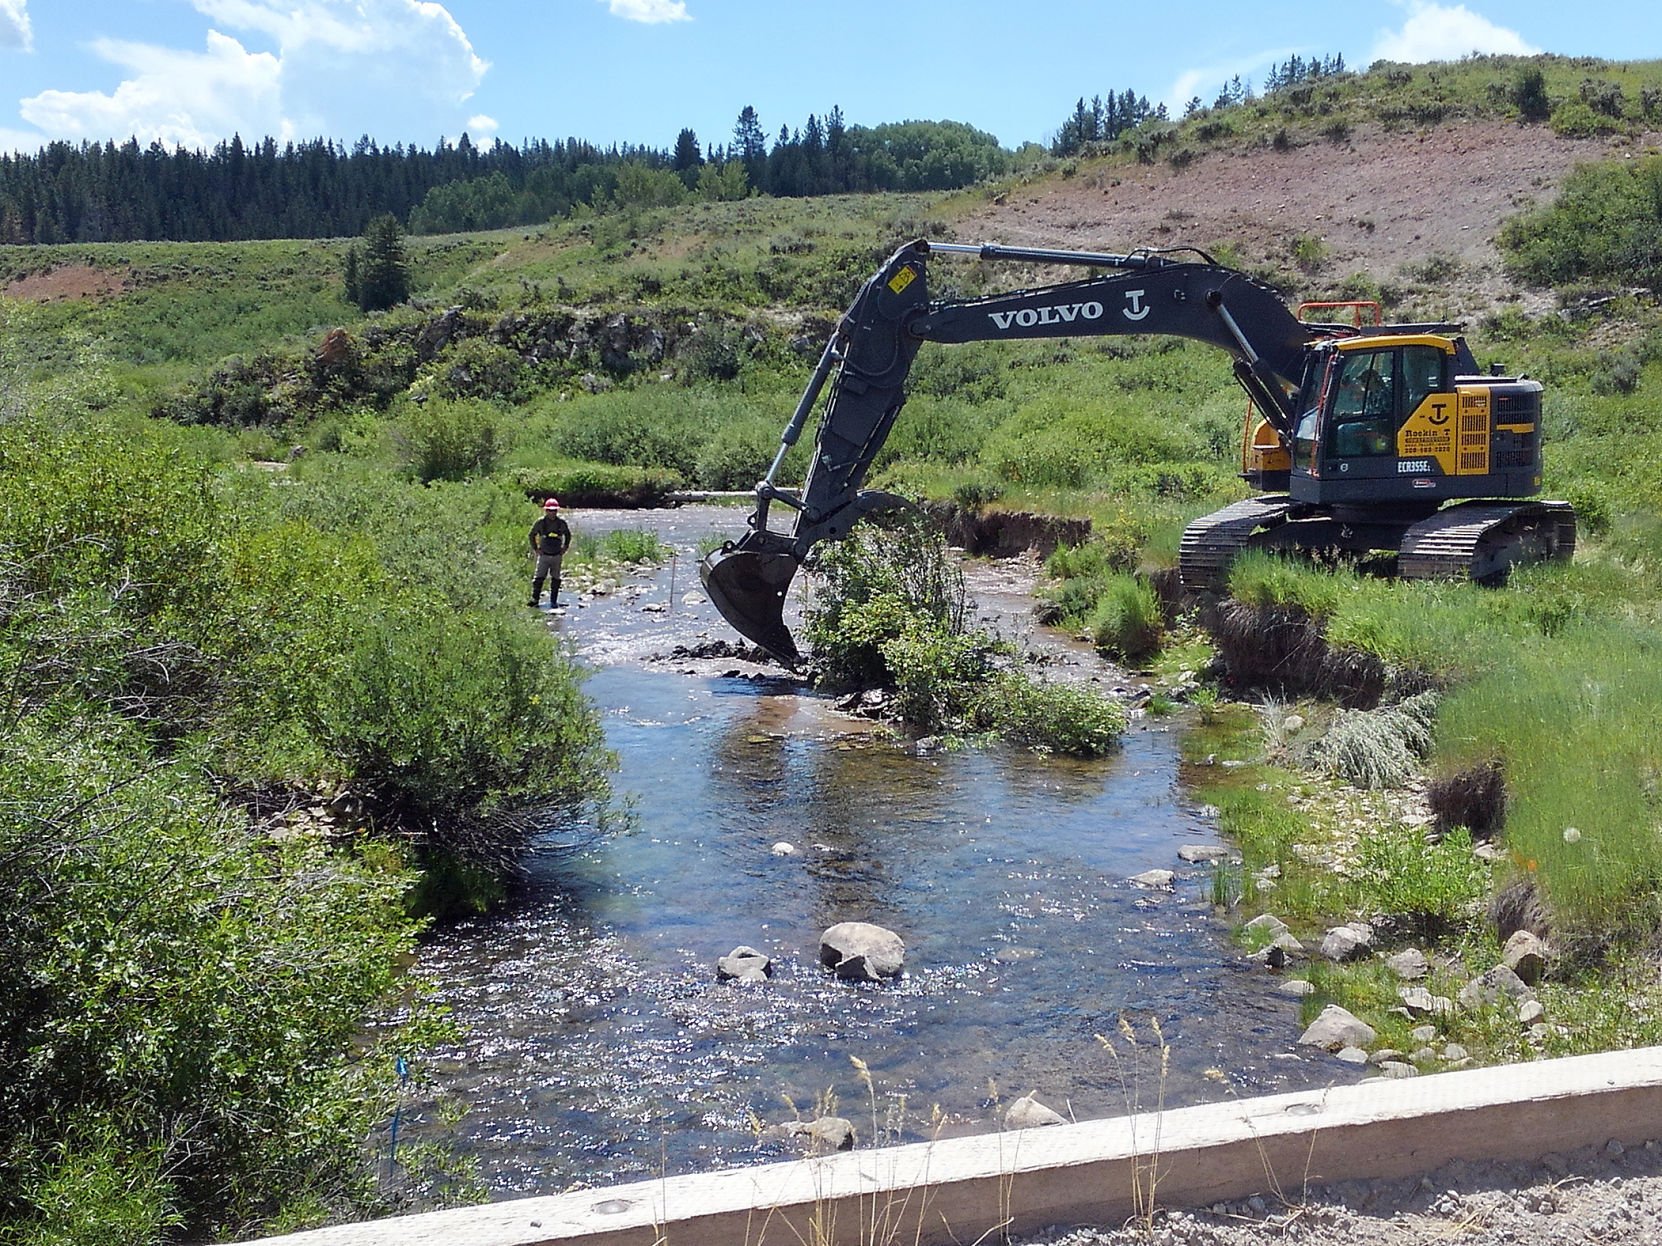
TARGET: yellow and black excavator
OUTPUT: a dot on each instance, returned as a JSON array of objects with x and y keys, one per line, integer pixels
[{"x": 1363, "y": 438}]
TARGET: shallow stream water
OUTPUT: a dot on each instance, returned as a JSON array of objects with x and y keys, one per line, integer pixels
[{"x": 599, "y": 1045}]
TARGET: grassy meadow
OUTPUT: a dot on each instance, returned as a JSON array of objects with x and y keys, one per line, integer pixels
[{"x": 213, "y": 613}]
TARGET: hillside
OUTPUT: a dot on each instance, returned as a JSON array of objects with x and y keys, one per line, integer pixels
[{"x": 1387, "y": 203}]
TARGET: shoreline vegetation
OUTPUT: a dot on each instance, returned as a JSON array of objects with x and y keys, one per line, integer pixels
[{"x": 270, "y": 697}]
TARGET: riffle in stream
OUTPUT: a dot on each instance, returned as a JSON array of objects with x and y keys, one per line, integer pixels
[{"x": 598, "y": 1044}]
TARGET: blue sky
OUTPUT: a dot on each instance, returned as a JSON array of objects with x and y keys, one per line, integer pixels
[{"x": 637, "y": 71}]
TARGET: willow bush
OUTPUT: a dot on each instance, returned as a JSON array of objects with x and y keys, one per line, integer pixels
[
  {"x": 891, "y": 611},
  {"x": 183, "y": 991}
]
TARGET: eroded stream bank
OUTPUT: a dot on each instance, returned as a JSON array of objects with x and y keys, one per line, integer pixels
[{"x": 600, "y": 1046}]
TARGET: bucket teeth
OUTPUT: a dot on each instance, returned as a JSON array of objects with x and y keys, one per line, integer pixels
[{"x": 749, "y": 588}]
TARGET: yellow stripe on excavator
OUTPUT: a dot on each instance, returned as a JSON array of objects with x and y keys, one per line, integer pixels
[{"x": 1377, "y": 341}]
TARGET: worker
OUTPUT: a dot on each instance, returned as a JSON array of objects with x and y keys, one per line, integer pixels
[
  {"x": 1361, "y": 392},
  {"x": 550, "y": 538}
]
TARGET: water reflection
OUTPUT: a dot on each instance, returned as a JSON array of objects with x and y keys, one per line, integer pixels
[{"x": 601, "y": 1047}]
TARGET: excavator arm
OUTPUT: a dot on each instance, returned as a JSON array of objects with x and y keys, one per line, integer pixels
[{"x": 869, "y": 356}]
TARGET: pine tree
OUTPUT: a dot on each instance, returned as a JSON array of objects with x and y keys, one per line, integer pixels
[
  {"x": 687, "y": 158},
  {"x": 353, "y": 286},
  {"x": 384, "y": 273},
  {"x": 751, "y": 146}
]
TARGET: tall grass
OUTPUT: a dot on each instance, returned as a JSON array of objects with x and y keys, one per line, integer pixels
[
  {"x": 1557, "y": 677},
  {"x": 1125, "y": 622},
  {"x": 1574, "y": 719}
]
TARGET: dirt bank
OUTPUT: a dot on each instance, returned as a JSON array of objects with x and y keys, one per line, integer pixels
[{"x": 1381, "y": 202}]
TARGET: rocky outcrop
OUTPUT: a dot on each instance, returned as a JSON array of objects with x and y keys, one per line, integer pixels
[
  {"x": 1203, "y": 854},
  {"x": 1154, "y": 880},
  {"x": 862, "y": 952},
  {"x": 1347, "y": 943},
  {"x": 1422, "y": 1003},
  {"x": 1525, "y": 954},
  {"x": 1410, "y": 964},
  {"x": 1496, "y": 986},
  {"x": 821, "y": 1135}
]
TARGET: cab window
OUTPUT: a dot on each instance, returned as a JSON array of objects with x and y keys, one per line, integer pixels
[
  {"x": 1307, "y": 428},
  {"x": 1422, "y": 375},
  {"x": 1364, "y": 406}
]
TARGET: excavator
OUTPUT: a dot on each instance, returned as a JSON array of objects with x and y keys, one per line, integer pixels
[{"x": 1366, "y": 439}]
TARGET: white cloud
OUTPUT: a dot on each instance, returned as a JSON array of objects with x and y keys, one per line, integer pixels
[
  {"x": 397, "y": 70},
  {"x": 650, "y": 12},
  {"x": 15, "y": 31},
  {"x": 193, "y": 98},
  {"x": 1437, "y": 32},
  {"x": 481, "y": 126},
  {"x": 1207, "y": 80},
  {"x": 25, "y": 141}
]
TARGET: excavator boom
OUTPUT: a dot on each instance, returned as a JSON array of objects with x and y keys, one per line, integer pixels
[{"x": 870, "y": 354}]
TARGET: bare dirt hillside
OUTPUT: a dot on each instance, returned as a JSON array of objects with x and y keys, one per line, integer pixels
[
  {"x": 1381, "y": 203},
  {"x": 72, "y": 281}
]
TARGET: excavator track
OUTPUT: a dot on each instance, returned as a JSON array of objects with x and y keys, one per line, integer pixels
[
  {"x": 1483, "y": 541},
  {"x": 1211, "y": 542}
]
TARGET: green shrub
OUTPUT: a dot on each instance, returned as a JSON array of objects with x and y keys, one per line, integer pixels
[
  {"x": 714, "y": 352},
  {"x": 185, "y": 1000},
  {"x": 1529, "y": 94},
  {"x": 890, "y": 612},
  {"x": 597, "y": 484},
  {"x": 620, "y": 545},
  {"x": 1057, "y": 718},
  {"x": 977, "y": 495},
  {"x": 737, "y": 456},
  {"x": 1602, "y": 96},
  {"x": 938, "y": 430},
  {"x": 1618, "y": 372},
  {"x": 449, "y": 440},
  {"x": 432, "y": 732},
  {"x": 935, "y": 672},
  {"x": 1126, "y": 622},
  {"x": 1309, "y": 252},
  {"x": 1601, "y": 226},
  {"x": 1593, "y": 501},
  {"x": 870, "y": 584},
  {"x": 1437, "y": 884}
]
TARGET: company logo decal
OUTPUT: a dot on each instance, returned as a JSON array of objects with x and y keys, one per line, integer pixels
[{"x": 1058, "y": 313}]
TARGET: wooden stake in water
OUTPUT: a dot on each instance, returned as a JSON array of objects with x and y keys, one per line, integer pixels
[{"x": 672, "y": 581}]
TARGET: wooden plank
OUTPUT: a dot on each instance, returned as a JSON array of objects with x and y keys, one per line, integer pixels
[{"x": 958, "y": 1189}]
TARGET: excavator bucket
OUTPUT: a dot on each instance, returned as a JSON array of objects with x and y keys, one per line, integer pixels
[{"x": 748, "y": 587}]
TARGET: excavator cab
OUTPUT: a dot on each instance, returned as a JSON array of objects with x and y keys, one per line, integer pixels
[{"x": 1397, "y": 419}]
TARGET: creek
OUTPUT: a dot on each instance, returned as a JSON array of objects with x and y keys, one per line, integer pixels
[{"x": 598, "y": 1045}]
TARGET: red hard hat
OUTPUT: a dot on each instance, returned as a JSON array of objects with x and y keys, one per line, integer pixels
[{"x": 551, "y": 504}]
